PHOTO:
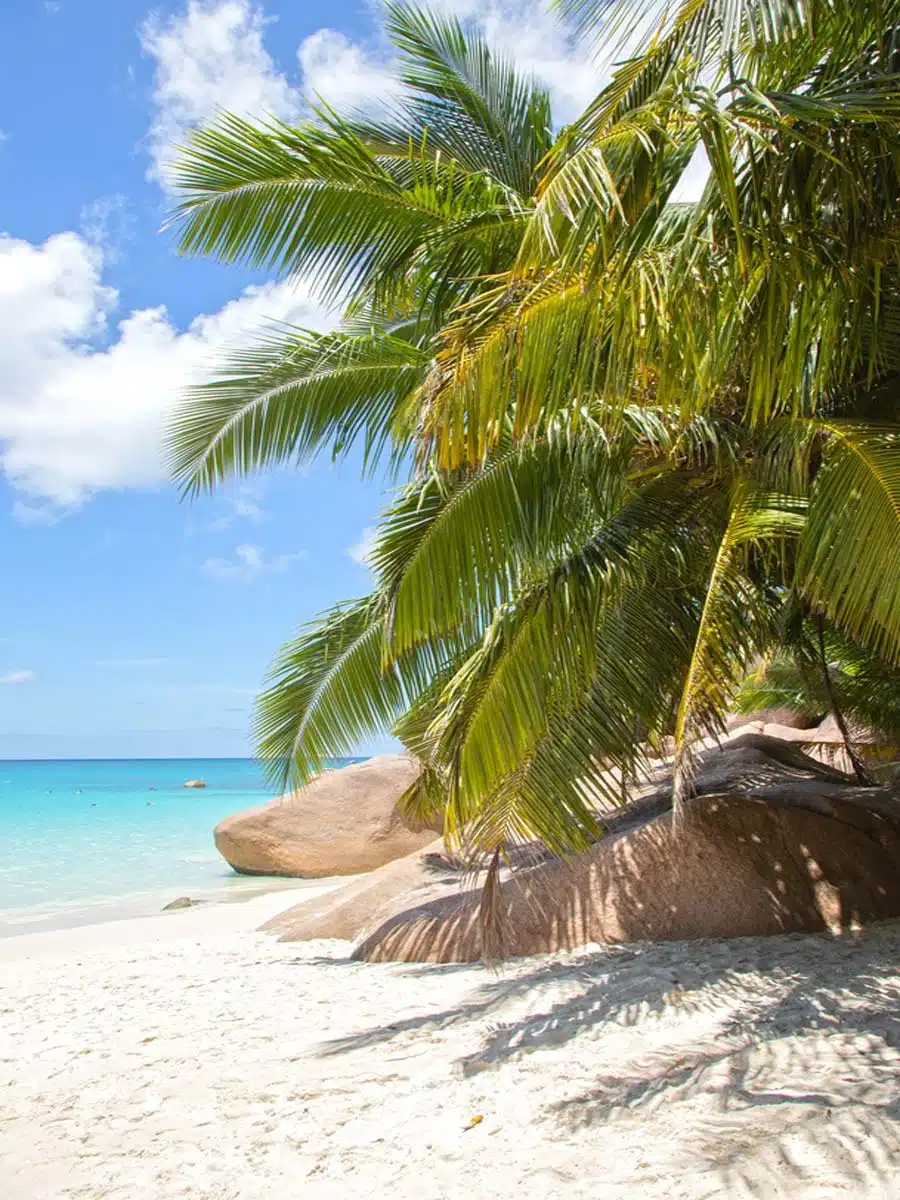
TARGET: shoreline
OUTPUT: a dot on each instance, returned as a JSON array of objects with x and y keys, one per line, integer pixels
[
  {"x": 87, "y": 841},
  {"x": 89, "y": 921},
  {"x": 210, "y": 922},
  {"x": 236, "y": 889}
]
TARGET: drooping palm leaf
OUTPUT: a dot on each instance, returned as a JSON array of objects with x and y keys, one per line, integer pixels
[
  {"x": 849, "y": 556},
  {"x": 617, "y": 406},
  {"x": 286, "y": 397},
  {"x": 735, "y": 625}
]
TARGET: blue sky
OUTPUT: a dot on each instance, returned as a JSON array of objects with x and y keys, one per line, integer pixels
[{"x": 132, "y": 624}]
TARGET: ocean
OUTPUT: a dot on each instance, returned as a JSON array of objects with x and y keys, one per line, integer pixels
[{"x": 85, "y": 840}]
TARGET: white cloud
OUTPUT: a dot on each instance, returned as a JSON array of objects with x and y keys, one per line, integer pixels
[
  {"x": 538, "y": 41},
  {"x": 78, "y": 414},
  {"x": 15, "y": 677},
  {"x": 209, "y": 57},
  {"x": 37, "y": 514},
  {"x": 342, "y": 72},
  {"x": 349, "y": 74},
  {"x": 248, "y": 564},
  {"x": 108, "y": 223},
  {"x": 244, "y": 505},
  {"x": 691, "y": 184},
  {"x": 362, "y": 550},
  {"x": 213, "y": 56}
]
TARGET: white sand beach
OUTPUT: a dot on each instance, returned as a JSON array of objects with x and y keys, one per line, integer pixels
[{"x": 186, "y": 1055}]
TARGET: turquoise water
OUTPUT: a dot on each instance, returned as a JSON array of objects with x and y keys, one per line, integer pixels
[{"x": 96, "y": 834}]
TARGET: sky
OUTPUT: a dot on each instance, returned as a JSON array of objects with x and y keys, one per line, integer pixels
[{"x": 133, "y": 624}]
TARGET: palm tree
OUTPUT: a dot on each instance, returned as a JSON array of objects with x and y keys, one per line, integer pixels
[{"x": 647, "y": 442}]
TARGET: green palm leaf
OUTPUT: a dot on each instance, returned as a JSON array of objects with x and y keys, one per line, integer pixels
[
  {"x": 477, "y": 108},
  {"x": 289, "y": 395},
  {"x": 735, "y": 623},
  {"x": 526, "y": 505},
  {"x": 325, "y": 691},
  {"x": 649, "y": 440},
  {"x": 849, "y": 553}
]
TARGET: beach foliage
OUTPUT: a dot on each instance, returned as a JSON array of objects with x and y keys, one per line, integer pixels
[{"x": 642, "y": 441}]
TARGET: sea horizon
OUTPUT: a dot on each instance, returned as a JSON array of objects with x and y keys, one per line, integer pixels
[
  {"x": 143, "y": 758},
  {"x": 92, "y": 839}
]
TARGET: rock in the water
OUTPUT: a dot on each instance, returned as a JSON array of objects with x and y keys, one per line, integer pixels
[
  {"x": 342, "y": 823},
  {"x": 181, "y": 902},
  {"x": 195, "y": 783},
  {"x": 774, "y": 842}
]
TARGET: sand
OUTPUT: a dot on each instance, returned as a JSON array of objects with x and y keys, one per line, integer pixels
[{"x": 186, "y": 1055}]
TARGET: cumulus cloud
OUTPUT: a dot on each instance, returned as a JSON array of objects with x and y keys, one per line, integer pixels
[
  {"x": 211, "y": 56},
  {"x": 361, "y": 551},
  {"x": 82, "y": 405},
  {"x": 343, "y": 72},
  {"x": 248, "y": 564},
  {"x": 537, "y": 41},
  {"x": 15, "y": 677}
]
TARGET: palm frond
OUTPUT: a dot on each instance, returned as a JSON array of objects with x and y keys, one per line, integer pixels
[
  {"x": 476, "y": 106},
  {"x": 528, "y": 505},
  {"x": 848, "y": 558},
  {"x": 735, "y": 623},
  {"x": 316, "y": 200},
  {"x": 290, "y": 395},
  {"x": 325, "y": 691}
]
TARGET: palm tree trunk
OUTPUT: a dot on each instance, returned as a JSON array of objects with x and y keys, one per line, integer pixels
[{"x": 859, "y": 770}]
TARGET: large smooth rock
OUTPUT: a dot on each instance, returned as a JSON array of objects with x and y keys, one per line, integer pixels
[
  {"x": 737, "y": 728},
  {"x": 774, "y": 842},
  {"x": 354, "y": 910},
  {"x": 342, "y": 823},
  {"x": 825, "y": 743},
  {"x": 348, "y": 913},
  {"x": 791, "y": 718}
]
